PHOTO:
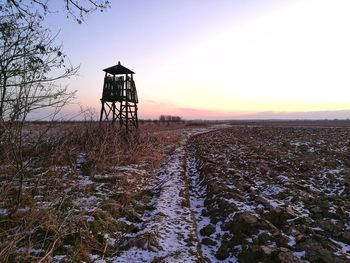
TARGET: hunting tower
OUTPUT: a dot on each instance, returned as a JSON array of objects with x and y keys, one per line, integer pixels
[{"x": 119, "y": 97}]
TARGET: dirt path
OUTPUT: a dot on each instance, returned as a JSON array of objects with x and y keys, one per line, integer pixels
[
  {"x": 171, "y": 226},
  {"x": 170, "y": 229}
]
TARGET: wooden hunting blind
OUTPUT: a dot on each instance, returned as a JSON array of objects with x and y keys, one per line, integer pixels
[{"x": 119, "y": 97}]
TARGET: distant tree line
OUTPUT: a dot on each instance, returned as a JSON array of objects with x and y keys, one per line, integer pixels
[{"x": 169, "y": 118}]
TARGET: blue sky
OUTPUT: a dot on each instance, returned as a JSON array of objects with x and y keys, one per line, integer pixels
[{"x": 216, "y": 59}]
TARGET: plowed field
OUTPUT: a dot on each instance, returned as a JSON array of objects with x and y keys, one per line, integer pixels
[{"x": 272, "y": 193}]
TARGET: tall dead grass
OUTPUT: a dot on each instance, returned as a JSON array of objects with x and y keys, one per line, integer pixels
[{"x": 46, "y": 222}]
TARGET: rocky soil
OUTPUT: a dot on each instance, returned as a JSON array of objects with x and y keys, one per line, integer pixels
[{"x": 272, "y": 194}]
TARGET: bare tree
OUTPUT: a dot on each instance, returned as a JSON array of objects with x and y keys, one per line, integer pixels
[
  {"x": 75, "y": 8},
  {"x": 169, "y": 118},
  {"x": 28, "y": 55},
  {"x": 30, "y": 66}
]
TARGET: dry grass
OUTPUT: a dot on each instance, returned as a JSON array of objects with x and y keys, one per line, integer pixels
[{"x": 76, "y": 190}]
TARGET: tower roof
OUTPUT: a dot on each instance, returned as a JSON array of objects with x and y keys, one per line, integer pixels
[{"x": 118, "y": 70}]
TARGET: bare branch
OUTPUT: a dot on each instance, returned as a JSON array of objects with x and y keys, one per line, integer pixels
[{"x": 76, "y": 8}]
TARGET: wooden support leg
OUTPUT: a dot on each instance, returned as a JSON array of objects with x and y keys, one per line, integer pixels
[{"x": 102, "y": 110}]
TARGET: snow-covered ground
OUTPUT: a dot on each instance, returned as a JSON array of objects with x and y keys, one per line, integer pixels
[{"x": 170, "y": 229}]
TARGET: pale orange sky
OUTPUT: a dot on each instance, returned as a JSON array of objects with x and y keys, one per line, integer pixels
[{"x": 199, "y": 59}]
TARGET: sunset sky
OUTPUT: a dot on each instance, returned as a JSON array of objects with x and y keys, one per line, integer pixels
[{"x": 217, "y": 59}]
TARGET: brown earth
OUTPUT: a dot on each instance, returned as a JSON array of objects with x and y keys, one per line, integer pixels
[{"x": 279, "y": 194}]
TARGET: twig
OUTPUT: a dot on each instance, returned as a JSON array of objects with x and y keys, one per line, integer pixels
[{"x": 50, "y": 251}]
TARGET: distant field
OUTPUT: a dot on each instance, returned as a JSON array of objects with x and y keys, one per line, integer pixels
[{"x": 294, "y": 123}]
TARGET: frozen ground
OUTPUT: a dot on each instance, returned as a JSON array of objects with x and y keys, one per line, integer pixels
[
  {"x": 245, "y": 195},
  {"x": 170, "y": 229},
  {"x": 240, "y": 194},
  {"x": 272, "y": 194}
]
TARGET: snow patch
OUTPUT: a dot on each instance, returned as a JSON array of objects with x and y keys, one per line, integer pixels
[
  {"x": 273, "y": 190},
  {"x": 344, "y": 248},
  {"x": 88, "y": 204},
  {"x": 3, "y": 211},
  {"x": 300, "y": 254}
]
